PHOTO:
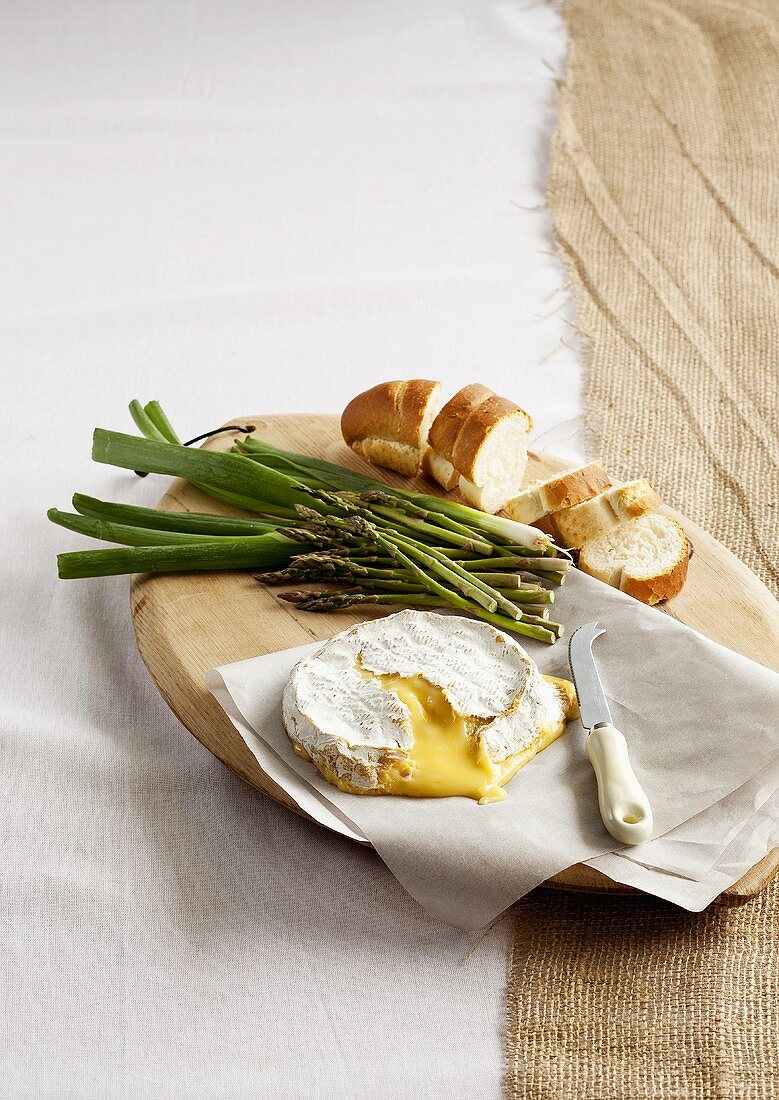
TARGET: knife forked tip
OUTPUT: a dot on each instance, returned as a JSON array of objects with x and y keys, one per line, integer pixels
[
  {"x": 581, "y": 640},
  {"x": 587, "y": 633}
]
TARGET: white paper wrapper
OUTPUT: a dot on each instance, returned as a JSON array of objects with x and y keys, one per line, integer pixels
[
  {"x": 700, "y": 722},
  {"x": 754, "y": 840},
  {"x": 697, "y": 845}
]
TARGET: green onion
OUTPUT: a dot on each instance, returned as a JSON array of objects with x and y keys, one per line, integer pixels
[
  {"x": 261, "y": 489},
  {"x": 202, "y": 523},
  {"x": 145, "y": 424},
  {"x": 122, "y": 533},
  {"x": 266, "y": 552},
  {"x": 160, "y": 421}
]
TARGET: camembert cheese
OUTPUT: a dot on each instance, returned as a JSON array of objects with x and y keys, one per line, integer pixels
[{"x": 423, "y": 705}]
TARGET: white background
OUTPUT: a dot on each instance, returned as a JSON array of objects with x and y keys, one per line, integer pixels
[{"x": 237, "y": 208}]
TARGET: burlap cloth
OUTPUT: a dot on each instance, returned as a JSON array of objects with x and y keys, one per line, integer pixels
[{"x": 664, "y": 184}]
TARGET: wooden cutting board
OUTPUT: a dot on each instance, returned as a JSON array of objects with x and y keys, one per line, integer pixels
[{"x": 188, "y": 623}]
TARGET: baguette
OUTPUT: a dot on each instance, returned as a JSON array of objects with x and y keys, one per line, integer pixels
[
  {"x": 564, "y": 490},
  {"x": 647, "y": 558},
  {"x": 602, "y": 513},
  {"x": 478, "y": 442},
  {"x": 438, "y": 459},
  {"x": 388, "y": 424}
]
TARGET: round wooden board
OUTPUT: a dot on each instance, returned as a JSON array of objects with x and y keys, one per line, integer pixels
[{"x": 188, "y": 623}]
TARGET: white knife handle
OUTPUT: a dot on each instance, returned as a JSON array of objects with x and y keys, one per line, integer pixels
[{"x": 623, "y": 805}]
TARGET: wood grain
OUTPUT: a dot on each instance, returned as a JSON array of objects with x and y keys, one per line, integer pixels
[{"x": 188, "y": 623}]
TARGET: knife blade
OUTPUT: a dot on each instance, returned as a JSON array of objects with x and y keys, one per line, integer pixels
[
  {"x": 593, "y": 703},
  {"x": 623, "y": 803}
]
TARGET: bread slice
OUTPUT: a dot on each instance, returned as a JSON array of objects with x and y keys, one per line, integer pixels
[
  {"x": 647, "y": 558},
  {"x": 564, "y": 490},
  {"x": 491, "y": 453},
  {"x": 602, "y": 513},
  {"x": 388, "y": 425},
  {"x": 437, "y": 462},
  {"x": 478, "y": 442}
]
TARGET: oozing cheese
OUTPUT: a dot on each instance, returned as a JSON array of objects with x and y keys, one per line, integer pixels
[
  {"x": 424, "y": 705},
  {"x": 448, "y": 756}
]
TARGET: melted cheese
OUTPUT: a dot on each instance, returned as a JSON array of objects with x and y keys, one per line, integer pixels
[
  {"x": 448, "y": 757},
  {"x": 340, "y": 713}
]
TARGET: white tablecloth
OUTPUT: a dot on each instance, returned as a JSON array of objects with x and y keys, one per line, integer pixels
[{"x": 237, "y": 208}]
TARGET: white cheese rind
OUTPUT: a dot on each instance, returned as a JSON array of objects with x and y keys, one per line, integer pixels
[{"x": 350, "y": 725}]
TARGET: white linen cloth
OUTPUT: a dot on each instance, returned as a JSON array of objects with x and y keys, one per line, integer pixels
[
  {"x": 700, "y": 722},
  {"x": 236, "y": 208}
]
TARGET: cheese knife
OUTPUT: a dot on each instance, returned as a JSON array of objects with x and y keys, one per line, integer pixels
[{"x": 624, "y": 806}]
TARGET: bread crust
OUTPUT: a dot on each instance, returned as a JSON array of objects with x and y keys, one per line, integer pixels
[
  {"x": 460, "y": 430},
  {"x": 576, "y": 487},
  {"x": 636, "y": 499},
  {"x": 650, "y": 590},
  {"x": 450, "y": 419},
  {"x": 384, "y": 422},
  {"x": 392, "y": 411},
  {"x": 565, "y": 491},
  {"x": 475, "y": 432},
  {"x": 656, "y": 589},
  {"x": 602, "y": 513}
]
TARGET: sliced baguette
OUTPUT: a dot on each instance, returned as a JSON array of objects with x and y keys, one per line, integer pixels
[
  {"x": 478, "y": 442},
  {"x": 602, "y": 513},
  {"x": 647, "y": 558},
  {"x": 388, "y": 425},
  {"x": 438, "y": 459},
  {"x": 564, "y": 490}
]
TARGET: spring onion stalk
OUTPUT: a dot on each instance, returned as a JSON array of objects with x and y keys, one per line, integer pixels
[
  {"x": 160, "y": 421},
  {"x": 551, "y": 551},
  {"x": 263, "y": 489},
  {"x": 201, "y": 523},
  {"x": 500, "y": 529},
  {"x": 514, "y": 561},
  {"x": 324, "y": 475},
  {"x": 145, "y": 424},
  {"x": 441, "y": 534},
  {"x": 406, "y": 505},
  {"x": 128, "y": 536},
  {"x": 417, "y": 525},
  {"x": 270, "y": 551},
  {"x": 155, "y": 425}
]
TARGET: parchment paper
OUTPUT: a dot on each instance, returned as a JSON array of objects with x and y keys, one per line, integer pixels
[
  {"x": 700, "y": 721},
  {"x": 697, "y": 845},
  {"x": 755, "y": 839}
]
